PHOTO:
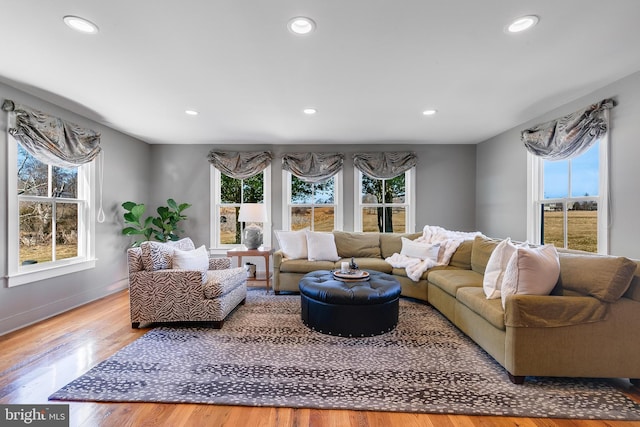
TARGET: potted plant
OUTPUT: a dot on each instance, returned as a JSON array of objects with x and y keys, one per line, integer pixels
[{"x": 162, "y": 228}]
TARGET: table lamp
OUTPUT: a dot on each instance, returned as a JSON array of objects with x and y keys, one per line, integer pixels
[{"x": 252, "y": 213}]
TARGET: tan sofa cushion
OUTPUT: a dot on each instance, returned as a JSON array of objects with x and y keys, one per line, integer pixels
[
  {"x": 461, "y": 258},
  {"x": 305, "y": 266},
  {"x": 391, "y": 243},
  {"x": 604, "y": 277},
  {"x": 481, "y": 251},
  {"x": 377, "y": 264},
  {"x": 352, "y": 244},
  {"x": 489, "y": 309},
  {"x": 451, "y": 280}
]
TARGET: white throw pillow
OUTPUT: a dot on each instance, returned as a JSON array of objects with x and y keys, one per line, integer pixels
[
  {"x": 420, "y": 250},
  {"x": 197, "y": 259},
  {"x": 531, "y": 271},
  {"x": 293, "y": 244},
  {"x": 321, "y": 246},
  {"x": 494, "y": 272}
]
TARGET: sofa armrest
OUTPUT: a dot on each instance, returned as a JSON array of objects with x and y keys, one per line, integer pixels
[
  {"x": 548, "y": 311},
  {"x": 219, "y": 263},
  {"x": 277, "y": 259}
]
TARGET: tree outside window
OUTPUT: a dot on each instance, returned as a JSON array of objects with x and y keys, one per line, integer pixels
[{"x": 383, "y": 204}]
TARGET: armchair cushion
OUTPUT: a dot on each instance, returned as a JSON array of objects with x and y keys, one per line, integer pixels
[{"x": 220, "y": 282}]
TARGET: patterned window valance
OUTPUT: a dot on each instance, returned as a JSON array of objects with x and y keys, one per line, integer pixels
[
  {"x": 313, "y": 167},
  {"x": 570, "y": 135},
  {"x": 385, "y": 165},
  {"x": 240, "y": 164},
  {"x": 52, "y": 140}
]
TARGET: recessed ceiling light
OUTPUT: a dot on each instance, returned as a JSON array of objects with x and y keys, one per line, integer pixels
[
  {"x": 309, "y": 111},
  {"x": 191, "y": 112},
  {"x": 429, "y": 112},
  {"x": 80, "y": 24},
  {"x": 522, "y": 24},
  {"x": 301, "y": 25}
]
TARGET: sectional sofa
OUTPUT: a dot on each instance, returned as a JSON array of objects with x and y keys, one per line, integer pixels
[{"x": 588, "y": 326}]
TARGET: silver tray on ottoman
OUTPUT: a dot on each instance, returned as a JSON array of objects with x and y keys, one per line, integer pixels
[{"x": 352, "y": 276}]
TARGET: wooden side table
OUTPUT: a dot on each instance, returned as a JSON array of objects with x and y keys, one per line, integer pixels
[{"x": 263, "y": 251}]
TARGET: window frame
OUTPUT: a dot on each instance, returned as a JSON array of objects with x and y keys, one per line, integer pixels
[
  {"x": 409, "y": 203},
  {"x": 24, "y": 274},
  {"x": 338, "y": 205},
  {"x": 215, "y": 246},
  {"x": 535, "y": 198}
]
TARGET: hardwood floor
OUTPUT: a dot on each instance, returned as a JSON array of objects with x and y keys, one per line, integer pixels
[{"x": 39, "y": 359}]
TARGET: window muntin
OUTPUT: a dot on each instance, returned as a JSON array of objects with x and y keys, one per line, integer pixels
[
  {"x": 385, "y": 205},
  {"x": 312, "y": 206},
  {"x": 570, "y": 202}
]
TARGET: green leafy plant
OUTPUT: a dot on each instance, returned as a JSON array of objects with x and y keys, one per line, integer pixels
[{"x": 162, "y": 228}]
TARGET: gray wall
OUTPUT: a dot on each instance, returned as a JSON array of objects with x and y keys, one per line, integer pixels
[
  {"x": 445, "y": 182},
  {"x": 501, "y": 196},
  {"x": 126, "y": 176}
]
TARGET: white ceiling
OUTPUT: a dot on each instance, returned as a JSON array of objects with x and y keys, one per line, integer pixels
[{"x": 370, "y": 68}]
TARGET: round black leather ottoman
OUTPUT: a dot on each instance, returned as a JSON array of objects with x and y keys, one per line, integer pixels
[{"x": 349, "y": 309}]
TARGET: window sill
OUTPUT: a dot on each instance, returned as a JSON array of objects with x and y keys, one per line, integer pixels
[{"x": 37, "y": 274}]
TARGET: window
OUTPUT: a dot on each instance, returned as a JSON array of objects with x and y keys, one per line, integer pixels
[
  {"x": 385, "y": 205},
  {"x": 316, "y": 206},
  {"x": 569, "y": 203},
  {"x": 50, "y": 218},
  {"x": 228, "y": 194}
]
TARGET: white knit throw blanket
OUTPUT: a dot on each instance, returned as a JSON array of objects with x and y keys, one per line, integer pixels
[{"x": 431, "y": 234}]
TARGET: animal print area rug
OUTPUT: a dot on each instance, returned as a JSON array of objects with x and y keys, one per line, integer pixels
[{"x": 265, "y": 356}]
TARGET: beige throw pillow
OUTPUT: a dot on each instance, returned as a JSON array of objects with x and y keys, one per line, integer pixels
[
  {"x": 321, "y": 247},
  {"x": 293, "y": 244},
  {"x": 197, "y": 259},
  {"x": 497, "y": 264},
  {"x": 420, "y": 250},
  {"x": 531, "y": 271}
]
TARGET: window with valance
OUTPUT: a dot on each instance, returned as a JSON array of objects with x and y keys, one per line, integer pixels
[
  {"x": 568, "y": 185},
  {"x": 51, "y": 167}
]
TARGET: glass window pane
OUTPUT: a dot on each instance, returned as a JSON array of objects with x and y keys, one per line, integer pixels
[
  {"x": 371, "y": 190},
  {"x": 229, "y": 189},
  {"x": 33, "y": 175},
  {"x": 556, "y": 179},
  {"x": 553, "y": 224},
  {"x": 582, "y": 226},
  {"x": 64, "y": 182},
  {"x": 229, "y": 226},
  {"x": 399, "y": 220},
  {"x": 370, "y": 219},
  {"x": 585, "y": 172},
  {"x": 324, "y": 192},
  {"x": 35, "y": 232},
  {"x": 66, "y": 230},
  {"x": 300, "y": 218},
  {"x": 323, "y": 219},
  {"x": 252, "y": 189},
  {"x": 301, "y": 192},
  {"x": 394, "y": 190}
]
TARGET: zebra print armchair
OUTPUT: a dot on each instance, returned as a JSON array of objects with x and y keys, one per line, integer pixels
[{"x": 160, "y": 293}]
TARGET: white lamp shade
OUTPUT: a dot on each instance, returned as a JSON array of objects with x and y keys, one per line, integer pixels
[{"x": 252, "y": 212}]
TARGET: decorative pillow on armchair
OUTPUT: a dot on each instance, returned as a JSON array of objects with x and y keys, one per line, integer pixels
[
  {"x": 197, "y": 259},
  {"x": 156, "y": 255},
  {"x": 531, "y": 271}
]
